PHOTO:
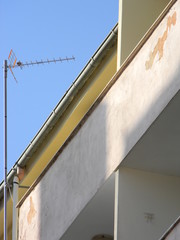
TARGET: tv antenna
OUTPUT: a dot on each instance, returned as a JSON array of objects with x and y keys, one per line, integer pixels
[{"x": 13, "y": 63}]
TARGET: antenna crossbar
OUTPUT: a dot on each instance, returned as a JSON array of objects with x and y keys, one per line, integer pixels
[
  {"x": 14, "y": 64},
  {"x": 21, "y": 64}
]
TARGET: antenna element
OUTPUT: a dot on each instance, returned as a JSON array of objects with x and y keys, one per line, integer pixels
[{"x": 14, "y": 64}]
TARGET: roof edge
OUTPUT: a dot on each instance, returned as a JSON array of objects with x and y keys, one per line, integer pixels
[{"x": 61, "y": 107}]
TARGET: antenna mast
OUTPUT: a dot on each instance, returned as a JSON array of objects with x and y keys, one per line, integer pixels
[
  {"x": 14, "y": 64},
  {"x": 5, "y": 149}
]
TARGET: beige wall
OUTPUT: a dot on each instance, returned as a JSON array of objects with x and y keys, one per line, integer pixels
[
  {"x": 137, "y": 17},
  {"x": 145, "y": 192}
]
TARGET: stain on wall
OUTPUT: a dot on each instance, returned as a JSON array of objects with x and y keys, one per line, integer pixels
[
  {"x": 23, "y": 235},
  {"x": 159, "y": 48},
  {"x": 32, "y": 211}
]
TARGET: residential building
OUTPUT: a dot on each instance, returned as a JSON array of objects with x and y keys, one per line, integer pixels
[{"x": 106, "y": 162}]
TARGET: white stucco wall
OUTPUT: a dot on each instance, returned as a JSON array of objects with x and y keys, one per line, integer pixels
[
  {"x": 143, "y": 193},
  {"x": 117, "y": 123}
]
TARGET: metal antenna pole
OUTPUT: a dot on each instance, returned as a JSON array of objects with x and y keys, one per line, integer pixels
[
  {"x": 5, "y": 149},
  {"x": 12, "y": 59}
]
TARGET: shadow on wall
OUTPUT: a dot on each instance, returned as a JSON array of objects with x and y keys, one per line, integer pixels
[
  {"x": 95, "y": 149},
  {"x": 80, "y": 169},
  {"x": 84, "y": 222},
  {"x": 74, "y": 178},
  {"x": 97, "y": 217}
]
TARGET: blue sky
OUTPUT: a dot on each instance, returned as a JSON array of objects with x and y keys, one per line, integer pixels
[{"x": 41, "y": 29}]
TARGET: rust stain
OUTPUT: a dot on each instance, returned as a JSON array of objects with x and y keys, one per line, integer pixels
[
  {"x": 31, "y": 212},
  {"x": 159, "y": 48}
]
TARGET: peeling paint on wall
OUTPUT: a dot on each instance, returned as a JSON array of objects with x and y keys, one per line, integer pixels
[
  {"x": 159, "y": 48},
  {"x": 23, "y": 235},
  {"x": 31, "y": 212}
]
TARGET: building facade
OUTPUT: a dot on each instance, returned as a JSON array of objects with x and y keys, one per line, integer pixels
[{"x": 106, "y": 163}]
